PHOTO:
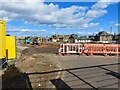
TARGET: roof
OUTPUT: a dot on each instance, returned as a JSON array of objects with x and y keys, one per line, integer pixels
[
  {"x": 83, "y": 38},
  {"x": 103, "y": 33},
  {"x": 74, "y": 36},
  {"x": 63, "y": 37},
  {"x": 116, "y": 36}
]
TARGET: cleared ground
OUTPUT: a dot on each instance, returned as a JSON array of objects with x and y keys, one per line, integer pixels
[
  {"x": 44, "y": 69},
  {"x": 83, "y": 72},
  {"x": 89, "y": 72}
]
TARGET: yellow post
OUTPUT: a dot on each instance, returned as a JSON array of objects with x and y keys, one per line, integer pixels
[
  {"x": 2, "y": 39},
  {"x": 11, "y": 47}
]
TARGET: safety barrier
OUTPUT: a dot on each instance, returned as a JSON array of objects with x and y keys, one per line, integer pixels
[
  {"x": 90, "y": 49},
  {"x": 70, "y": 49},
  {"x": 104, "y": 49},
  {"x": 113, "y": 49}
]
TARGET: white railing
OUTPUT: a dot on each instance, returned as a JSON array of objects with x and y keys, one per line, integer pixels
[{"x": 70, "y": 48}]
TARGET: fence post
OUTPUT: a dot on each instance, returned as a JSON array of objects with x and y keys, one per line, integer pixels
[
  {"x": 91, "y": 52},
  {"x": 83, "y": 48},
  {"x": 59, "y": 52},
  {"x": 104, "y": 51},
  {"x": 67, "y": 49},
  {"x": 63, "y": 49},
  {"x": 117, "y": 54}
]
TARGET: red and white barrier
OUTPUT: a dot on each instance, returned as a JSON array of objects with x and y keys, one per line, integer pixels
[
  {"x": 90, "y": 49},
  {"x": 70, "y": 49},
  {"x": 102, "y": 49},
  {"x": 113, "y": 49}
]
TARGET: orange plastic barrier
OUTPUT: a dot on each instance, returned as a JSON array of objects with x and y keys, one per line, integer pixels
[
  {"x": 101, "y": 49},
  {"x": 113, "y": 49}
]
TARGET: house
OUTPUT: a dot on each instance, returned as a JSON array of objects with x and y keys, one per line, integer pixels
[
  {"x": 40, "y": 39},
  {"x": 20, "y": 40},
  {"x": 116, "y": 38},
  {"x": 92, "y": 37},
  {"x": 63, "y": 38},
  {"x": 83, "y": 39},
  {"x": 103, "y": 37},
  {"x": 53, "y": 38},
  {"x": 59, "y": 38},
  {"x": 45, "y": 39},
  {"x": 73, "y": 38}
]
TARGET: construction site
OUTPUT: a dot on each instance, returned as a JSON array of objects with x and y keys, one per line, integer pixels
[
  {"x": 59, "y": 44},
  {"x": 32, "y": 64}
]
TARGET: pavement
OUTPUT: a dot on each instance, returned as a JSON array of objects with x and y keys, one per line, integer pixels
[{"x": 90, "y": 72}]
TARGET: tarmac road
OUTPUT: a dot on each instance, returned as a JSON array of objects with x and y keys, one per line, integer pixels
[
  {"x": 90, "y": 72},
  {"x": 87, "y": 72}
]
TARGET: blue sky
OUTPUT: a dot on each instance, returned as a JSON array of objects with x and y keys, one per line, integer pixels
[{"x": 47, "y": 18}]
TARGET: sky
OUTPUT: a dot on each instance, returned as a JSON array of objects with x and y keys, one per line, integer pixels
[{"x": 40, "y": 18}]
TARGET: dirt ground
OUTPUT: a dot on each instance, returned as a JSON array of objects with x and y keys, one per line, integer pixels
[
  {"x": 42, "y": 48},
  {"x": 33, "y": 59},
  {"x": 36, "y": 61}
]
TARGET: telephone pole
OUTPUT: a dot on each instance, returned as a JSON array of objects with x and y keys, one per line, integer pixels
[{"x": 110, "y": 34}]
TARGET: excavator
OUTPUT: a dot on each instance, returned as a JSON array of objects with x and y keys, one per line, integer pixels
[{"x": 34, "y": 41}]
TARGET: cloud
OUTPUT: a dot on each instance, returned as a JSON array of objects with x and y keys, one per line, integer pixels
[
  {"x": 36, "y": 12},
  {"x": 102, "y": 4},
  {"x": 101, "y": 29},
  {"x": 27, "y": 30},
  {"x": 85, "y": 33},
  {"x": 117, "y": 24},
  {"x": 98, "y": 10},
  {"x": 20, "y": 31},
  {"x": 53, "y": 32},
  {"x": 90, "y": 25},
  {"x": 81, "y": 32},
  {"x": 93, "y": 14}
]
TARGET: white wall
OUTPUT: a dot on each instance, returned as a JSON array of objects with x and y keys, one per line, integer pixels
[{"x": 82, "y": 41}]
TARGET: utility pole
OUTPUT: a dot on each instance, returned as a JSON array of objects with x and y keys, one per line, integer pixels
[
  {"x": 110, "y": 29},
  {"x": 111, "y": 34}
]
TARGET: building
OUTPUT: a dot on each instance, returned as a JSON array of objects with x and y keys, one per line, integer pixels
[
  {"x": 63, "y": 38},
  {"x": 59, "y": 38},
  {"x": 40, "y": 39},
  {"x": 103, "y": 37},
  {"x": 116, "y": 38},
  {"x": 73, "y": 38},
  {"x": 45, "y": 39},
  {"x": 92, "y": 37},
  {"x": 83, "y": 39},
  {"x": 53, "y": 39}
]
